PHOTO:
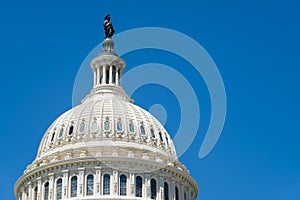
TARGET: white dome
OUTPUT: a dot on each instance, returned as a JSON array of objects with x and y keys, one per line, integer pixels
[
  {"x": 127, "y": 125},
  {"x": 106, "y": 119},
  {"x": 90, "y": 151}
]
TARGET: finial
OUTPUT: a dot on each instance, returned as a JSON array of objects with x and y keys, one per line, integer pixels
[{"x": 108, "y": 27}]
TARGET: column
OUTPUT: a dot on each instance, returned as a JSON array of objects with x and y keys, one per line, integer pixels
[
  {"x": 98, "y": 75},
  {"x": 30, "y": 191},
  {"x": 104, "y": 74},
  {"x": 95, "y": 78},
  {"x": 39, "y": 181},
  {"x": 117, "y": 76},
  {"x": 80, "y": 183},
  {"x": 51, "y": 185},
  {"x": 65, "y": 182},
  {"x": 23, "y": 194},
  {"x": 187, "y": 194},
  {"x": 181, "y": 192},
  {"x": 110, "y": 74},
  {"x": 172, "y": 190},
  {"x": 97, "y": 182}
]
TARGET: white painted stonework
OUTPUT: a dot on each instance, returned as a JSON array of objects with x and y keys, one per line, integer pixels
[{"x": 106, "y": 148}]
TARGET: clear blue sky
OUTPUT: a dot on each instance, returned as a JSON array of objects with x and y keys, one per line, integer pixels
[{"x": 255, "y": 45}]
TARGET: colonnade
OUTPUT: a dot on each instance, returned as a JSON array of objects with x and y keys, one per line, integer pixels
[
  {"x": 47, "y": 188},
  {"x": 107, "y": 74}
]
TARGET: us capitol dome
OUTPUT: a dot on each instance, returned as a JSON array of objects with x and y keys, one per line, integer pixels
[{"x": 106, "y": 148}]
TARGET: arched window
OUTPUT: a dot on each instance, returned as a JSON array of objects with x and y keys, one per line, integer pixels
[
  {"x": 119, "y": 126},
  {"x": 106, "y": 184},
  {"x": 61, "y": 132},
  {"x": 107, "y": 125},
  {"x": 167, "y": 140},
  {"x": 74, "y": 186},
  {"x": 71, "y": 130},
  {"x": 46, "y": 191},
  {"x": 82, "y": 127},
  {"x": 152, "y": 133},
  {"x": 131, "y": 127},
  {"x": 176, "y": 193},
  {"x": 184, "y": 195},
  {"x": 59, "y": 189},
  {"x": 123, "y": 181},
  {"x": 94, "y": 125},
  {"x": 160, "y": 137},
  {"x": 35, "y": 193},
  {"x": 90, "y": 185},
  {"x": 153, "y": 188},
  {"x": 138, "y": 186},
  {"x": 53, "y": 135},
  {"x": 166, "y": 191},
  {"x": 142, "y": 130}
]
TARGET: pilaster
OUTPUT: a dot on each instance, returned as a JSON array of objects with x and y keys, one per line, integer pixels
[
  {"x": 115, "y": 181},
  {"x": 51, "y": 186},
  {"x": 147, "y": 186},
  {"x": 161, "y": 188},
  {"x": 80, "y": 182},
  {"x": 97, "y": 182},
  {"x": 131, "y": 182},
  {"x": 65, "y": 181}
]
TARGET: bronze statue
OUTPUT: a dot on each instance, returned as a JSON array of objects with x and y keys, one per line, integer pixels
[{"x": 108, "y": 27}]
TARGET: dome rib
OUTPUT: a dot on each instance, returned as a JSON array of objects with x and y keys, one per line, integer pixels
[
  {"x": 130, "y": 106},
  {"x": 91, "y": 120},
  {"x": 112, "y": 128},
  {"x": 80, "y": 118}
]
